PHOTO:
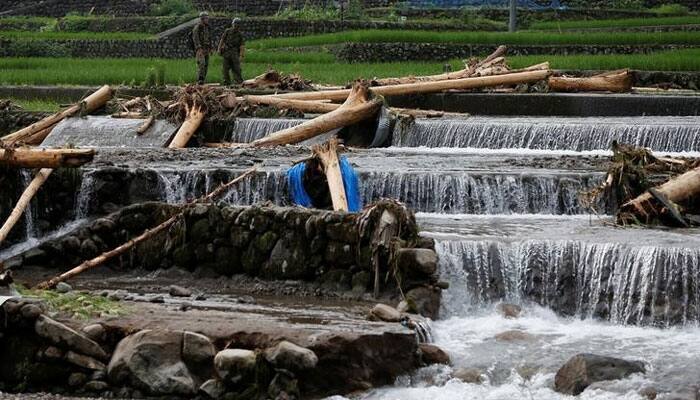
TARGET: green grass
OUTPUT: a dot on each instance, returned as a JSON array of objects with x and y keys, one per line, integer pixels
[
  {"x": 76, "y": 304},
  {"x": 318, "y": 67},
  {"x": 75, "y": 35},
  {"x": 677, "y": 60},
  {"x": 37, "y": 104},
  {"x": 616, "y": 23},
  {"x": 495, "y": 38}
]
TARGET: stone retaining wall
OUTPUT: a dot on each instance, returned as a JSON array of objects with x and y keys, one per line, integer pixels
[
  {"x": 59, "y": 8},
  {"x": 524, "y": 16},
  {"x": 393, "y": 52},
  {"x": 272, "y": 243}
]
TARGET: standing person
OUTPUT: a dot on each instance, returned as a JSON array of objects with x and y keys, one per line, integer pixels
[
  {"x": 202, "y": 46},
  {"x": 232, "y": 49}
]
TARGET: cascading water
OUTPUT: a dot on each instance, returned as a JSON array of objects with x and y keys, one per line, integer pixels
[
  {"x": 670, "y": 134},
  {"x": 29, "y": 212},
  {"x": 246, "y": 130},
  {"x": 481, "y": 193},
  {"x": 618, "y": 282}
]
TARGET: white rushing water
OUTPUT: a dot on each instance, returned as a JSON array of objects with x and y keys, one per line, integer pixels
[{"x": 552, "y": 133}]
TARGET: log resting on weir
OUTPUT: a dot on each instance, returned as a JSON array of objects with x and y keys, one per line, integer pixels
[
  {"x": 35, "y": 134},
  {"x": 104, "y": 257},
  {"x": 428, "y": 87},
  {"x": 195, "y": 116},
  {"x": 463, "y": 73},
  {"x": 357, "y": 107},
  {"x": 327, "y": 153},
  {"x": 89, "y": 104},
  {"x": 45, "y": 158},
  {"x": 677, "y": 190},
  {"x": 617, "y": 81},
  {"x": 24, "y": 201}
]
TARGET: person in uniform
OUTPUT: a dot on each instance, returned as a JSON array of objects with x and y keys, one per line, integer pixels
[
  {"x": 202, "y": 46},
  {"x": 232, "y": 49}
]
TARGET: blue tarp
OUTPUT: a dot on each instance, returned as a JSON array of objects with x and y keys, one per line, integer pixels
[{"x": 351, "y": 183}]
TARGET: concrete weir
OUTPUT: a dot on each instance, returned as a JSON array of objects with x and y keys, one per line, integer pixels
[{"x": 502, "y": 271}]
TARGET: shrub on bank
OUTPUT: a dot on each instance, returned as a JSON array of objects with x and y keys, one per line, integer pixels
[
  {"x": 671, "y": 9},
  {"x": 173, "y": 7}
]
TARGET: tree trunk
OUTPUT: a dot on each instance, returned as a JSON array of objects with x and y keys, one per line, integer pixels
[
  {"x": 45, "y": 158},
  {"x": 194, "y": 119},
  {"x": 102, "y": 258},
  {"x": 428, "y": 87},
  {"x": 146, "y": 125},
  {"x": 300, "y": 105},
  {"x": 89, "y": 104},
  {"x": 463, "y": 73},
  {"x": 677, "y": 190},
  {"x": 356, "y": 108},
  {"x": 618, "y": 82},
  {"x": 24, "y": 201},
  {"x": 328, "y": 155}
]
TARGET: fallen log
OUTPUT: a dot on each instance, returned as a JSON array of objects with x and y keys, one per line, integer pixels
[
  {"x": 356, "y": 108},
  {"x": 130, "y": 115},
  {"x": 24, "y": 201},
  {"x": 675, "y": 191},
  {"x": 146, "y": 125},
  {"x": 300, "y": 105},
  {"x": 39, "y": 137},
  {"x": 102, "y": 258},
  {"x": 327, "y": 153},
  {"x": 463, "y": 73},
  {"x": 45, "y": 158},
  {"x": 87, "y": 105},
  {"x": 618, "y": 82},
  {"x": 195, "y": 116},
  {"x": 427, "y": 87}
]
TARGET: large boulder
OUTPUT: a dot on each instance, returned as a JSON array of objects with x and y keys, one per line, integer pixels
[
  {"x": 424, "y": 301},
  {"x": 584, "y": 369},
  {"x": 431, "y": 354},
  {"x": 418, "y": 262},
  {"x": 152, "y": 361},
  {"x": 383, "y": 312},
  {"x": 234, "y": 365},
  {"x": 63, "y": 336},
  {"x": 287, "y": 355}
]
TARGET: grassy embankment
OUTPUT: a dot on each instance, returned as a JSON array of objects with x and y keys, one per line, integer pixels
[
  {"x": 616, "y": 23},
  {"x": 51, "y": 35},
  {"x": 492, "y": 38},
  {"x": 319, "y": 67}
]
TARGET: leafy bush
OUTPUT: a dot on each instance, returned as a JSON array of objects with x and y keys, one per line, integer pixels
[
  {"x": 310, "y": 12},
  {"x": 355, "y": 10},
  {"x": 671, "y": 9},
  {"x": 627, "y": 4},
  {"x": 173, "y": 7},
  {"x": 34, "y": 48}
]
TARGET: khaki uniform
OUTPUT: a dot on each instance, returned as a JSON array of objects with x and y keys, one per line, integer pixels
[
  {"x": 202, "y": 41},
  {"x": 230, "y": 47}
]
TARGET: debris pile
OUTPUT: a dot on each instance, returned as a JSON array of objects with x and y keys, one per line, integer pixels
[
  {"x": 275, "y": 80},
  {"x": 650, "y": 190}
]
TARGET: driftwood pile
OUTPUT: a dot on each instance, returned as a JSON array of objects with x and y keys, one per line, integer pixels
[
  {"x": 651, "y": 190},
  {"x": 275, "y": 80}
]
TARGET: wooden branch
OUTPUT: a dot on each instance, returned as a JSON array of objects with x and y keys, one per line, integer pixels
[
  {"x": 356, "y": 108},
  {"x": 45, "y": 158},
  {"x": 24, "y": 201},
  {"x": 428, "y": 87},
  {"x": 129, "y": 115},
  {"x": 146, "y": 125},
  {"x": 677, "y": 190},
  {"x": 300, "y": 105},
  {"x": 194, "y": 119},
  {"x": 620, "y": 82},
  {"x": 89, "y": 104},
  {"x": 102, "y": 258},
  {"x": 495, "y": 57},
  {"x": 39, "y": 137},
  {"x": 327, "y": 153}
]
